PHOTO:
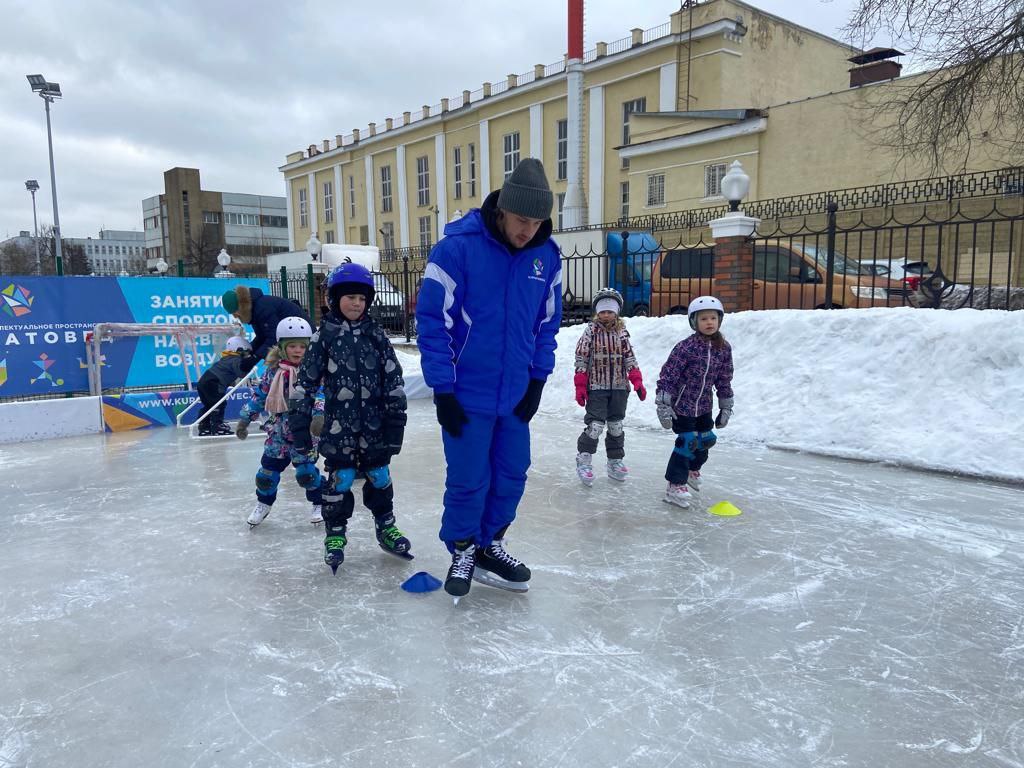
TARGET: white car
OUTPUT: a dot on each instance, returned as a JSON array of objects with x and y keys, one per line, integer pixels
[{"x": 910, "y": 272}]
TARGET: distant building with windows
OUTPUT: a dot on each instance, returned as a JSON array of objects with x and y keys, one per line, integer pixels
[
  {"x": 187, "y": 218},
  {"x": 659, "y": 117},
  {"x": 114, "y": 251}
]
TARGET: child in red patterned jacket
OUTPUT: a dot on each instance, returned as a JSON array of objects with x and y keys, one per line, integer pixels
[
  {"x": 605, "y": 368},
  {"x": 695, "y": 365}
]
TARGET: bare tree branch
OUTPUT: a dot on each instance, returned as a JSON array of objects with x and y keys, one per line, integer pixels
[{"x": 971, "y": 91}]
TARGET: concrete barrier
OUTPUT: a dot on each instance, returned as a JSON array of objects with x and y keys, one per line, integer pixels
[{"x": 43, "y": 419}]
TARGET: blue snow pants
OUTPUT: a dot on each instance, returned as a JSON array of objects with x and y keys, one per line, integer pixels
[{"x": 486, "y": 477}]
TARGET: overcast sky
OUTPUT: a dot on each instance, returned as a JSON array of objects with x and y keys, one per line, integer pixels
[{"x": 231, "y": 88}]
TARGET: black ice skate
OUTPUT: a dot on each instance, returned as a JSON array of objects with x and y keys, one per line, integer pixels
[
  {"x": 334, "y": 551},
  {"x": 497, "y": 568},
  {"x": 390, "y": 539},
  {"x": 461, "y": 571}
]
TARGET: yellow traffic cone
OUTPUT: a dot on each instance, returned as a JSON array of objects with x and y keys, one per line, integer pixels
[{"x": 724, "y": 509}]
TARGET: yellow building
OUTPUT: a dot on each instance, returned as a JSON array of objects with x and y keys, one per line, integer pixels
[{"x": 665, "y": 111}]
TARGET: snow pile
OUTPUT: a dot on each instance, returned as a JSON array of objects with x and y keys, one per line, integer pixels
[
  {"x": 412, "y": 374},
  {"x": 925, "y": 388}
]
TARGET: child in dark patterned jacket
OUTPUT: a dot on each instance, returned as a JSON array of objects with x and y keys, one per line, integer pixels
[
  {"x": 696, "y": 364},
  {"x": 364, "y": 416}
]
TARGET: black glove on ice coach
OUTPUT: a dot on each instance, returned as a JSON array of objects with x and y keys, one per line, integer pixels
[
  {"x": 450, "y": 415},
  {"x": 528, "y": 406}
]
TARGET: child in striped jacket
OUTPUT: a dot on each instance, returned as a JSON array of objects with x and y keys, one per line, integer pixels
[{"x": 605, "y": 368}]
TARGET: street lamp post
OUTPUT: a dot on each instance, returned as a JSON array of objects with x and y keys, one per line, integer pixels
[
  {"x": 48, "y": 92},
  {"x": 313, "y": 247},
  {"x": 33, "y": 186}
]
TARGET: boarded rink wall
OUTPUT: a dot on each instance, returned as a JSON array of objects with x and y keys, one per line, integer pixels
[{"x": 43, "y": 419}]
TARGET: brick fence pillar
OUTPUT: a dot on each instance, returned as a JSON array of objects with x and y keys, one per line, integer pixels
[{"x": 734, "y": 260}]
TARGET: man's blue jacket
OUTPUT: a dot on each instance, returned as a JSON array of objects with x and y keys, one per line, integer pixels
[{"x": 487, "y": 315}]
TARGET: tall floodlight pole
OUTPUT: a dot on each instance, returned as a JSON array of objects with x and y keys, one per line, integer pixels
[
  {"x": 48, "y": 92},
  {"x": 33, "y": 186}
]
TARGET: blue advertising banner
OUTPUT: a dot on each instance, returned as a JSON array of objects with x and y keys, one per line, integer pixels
[{"x": 44, "y": 322}]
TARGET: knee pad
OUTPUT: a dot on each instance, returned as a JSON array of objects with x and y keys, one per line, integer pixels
[
  {"x": 267, "y": 481},
  {"x": 379, "y": 477},
  {"x": 342, "y": 479},
  {"x": 686, "y": 444},
  {"x": 594, "y": 429},
  {"x": 307, "y": 475},
  {"x": 614, "y": 429},
  {"x": 706, "y": 439}
]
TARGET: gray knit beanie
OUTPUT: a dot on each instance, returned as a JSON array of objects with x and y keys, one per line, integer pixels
[{"x": 526, "y": 191}]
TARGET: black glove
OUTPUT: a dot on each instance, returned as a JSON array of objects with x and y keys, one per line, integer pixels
[
  {"x": 450, "y": 415},
  {"x": 394, "y": 433},
  {"x": 248, "y": 362},
  {"x": 528, "y": 406}
]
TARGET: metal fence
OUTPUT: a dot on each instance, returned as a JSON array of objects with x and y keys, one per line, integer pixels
[{"x": 969, "y": 257}]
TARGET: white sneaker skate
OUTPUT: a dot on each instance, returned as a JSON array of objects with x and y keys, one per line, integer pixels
[
  {"x": 315, "y": 517},
  {"x": 617, "y": 470},
  {"x": 694, "y": 481},
  {"x": 678, "y": 495},
  {"x": 258, "y": 515},
  {"x": 585, "y": 469}
]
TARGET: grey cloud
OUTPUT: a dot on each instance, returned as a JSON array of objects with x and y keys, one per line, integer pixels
[{"x": 231, "y": 88}]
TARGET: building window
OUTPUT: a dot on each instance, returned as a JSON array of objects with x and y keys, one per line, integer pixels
[
  {"x": 655, "y": 190},
  {"x": 328, "y": 202},
  {"x": 628, "y": 108},
  {"x": 423, "y": 180},
  {"x": 457, "y": 163},
  {"x": 211, "y": 217},
  {"x": 329, "y": 236},
  {"x": 352, "y": 197},
  {"x": 364, "y": 234},
  {"x": 561, "y": 207},
  {"x": 713, "y": 179},
  {"x": 303, "y": 208},
  {"x": 511, "y": 151},
  {"x": 624, "y": 199},
  {"x": 472, "y": 170},
  {"x": 387, "y": 232},
  {"x": 385, "y": 188},
  {"x": 186, "y": 218},
  {"x": 562, "y": 150},
  {"x": 426, "y": 238}
]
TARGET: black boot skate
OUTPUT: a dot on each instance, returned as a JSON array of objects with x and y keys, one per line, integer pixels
[
  {"x": 461, "y": 571},
  {"x": 334, "y": 550},
  {"x": 390, "y": 539},
  {"x": 497, "y": 568}
]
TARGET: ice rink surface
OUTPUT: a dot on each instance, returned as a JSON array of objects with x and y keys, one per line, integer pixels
[{"x": 854, "y": 615}]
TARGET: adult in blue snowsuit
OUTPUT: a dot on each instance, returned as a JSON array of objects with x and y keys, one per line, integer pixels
[
  {"x": 487, "y": 314},
  {"x": 263, "y": 313}
]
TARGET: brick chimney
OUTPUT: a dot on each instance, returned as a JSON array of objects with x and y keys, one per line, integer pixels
[{"x": 874, "y": 66}]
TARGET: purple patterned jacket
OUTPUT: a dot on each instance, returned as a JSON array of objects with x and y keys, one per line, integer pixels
[{"x": 692, "y": 368}]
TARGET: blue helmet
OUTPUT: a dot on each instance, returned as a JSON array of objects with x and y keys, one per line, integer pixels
[{"x": 347, "y": 279}]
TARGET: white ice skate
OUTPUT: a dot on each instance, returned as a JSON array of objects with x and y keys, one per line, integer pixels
[
  {"x": 259, "y": 514},
  {"x": 693, "y": 480},
  {"x": 617, "y": 470},
  {"x": 678, "y": 495},
  {"x": 315, "y": 516},
  {"x": 585, "y": 469}
]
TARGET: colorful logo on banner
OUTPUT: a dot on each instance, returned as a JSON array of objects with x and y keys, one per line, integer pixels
[
  {"x": 16, "y": 300},
  {"x": 3, "y": 372}
]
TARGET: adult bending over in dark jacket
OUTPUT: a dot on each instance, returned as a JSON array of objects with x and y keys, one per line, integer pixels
[{"x": 263, "y": 313}]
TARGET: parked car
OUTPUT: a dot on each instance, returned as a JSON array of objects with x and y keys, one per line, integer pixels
[
  {"x": 910, "y": 272},
  {"x": 389, "y": 306},
  {"x": 787, "y": 275}
]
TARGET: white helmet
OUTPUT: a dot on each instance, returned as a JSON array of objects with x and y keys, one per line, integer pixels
[
  {"x": 237, "y": 344},
  {"x": 702, "y": 303},
  {"x": 293, "y": 328}
]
